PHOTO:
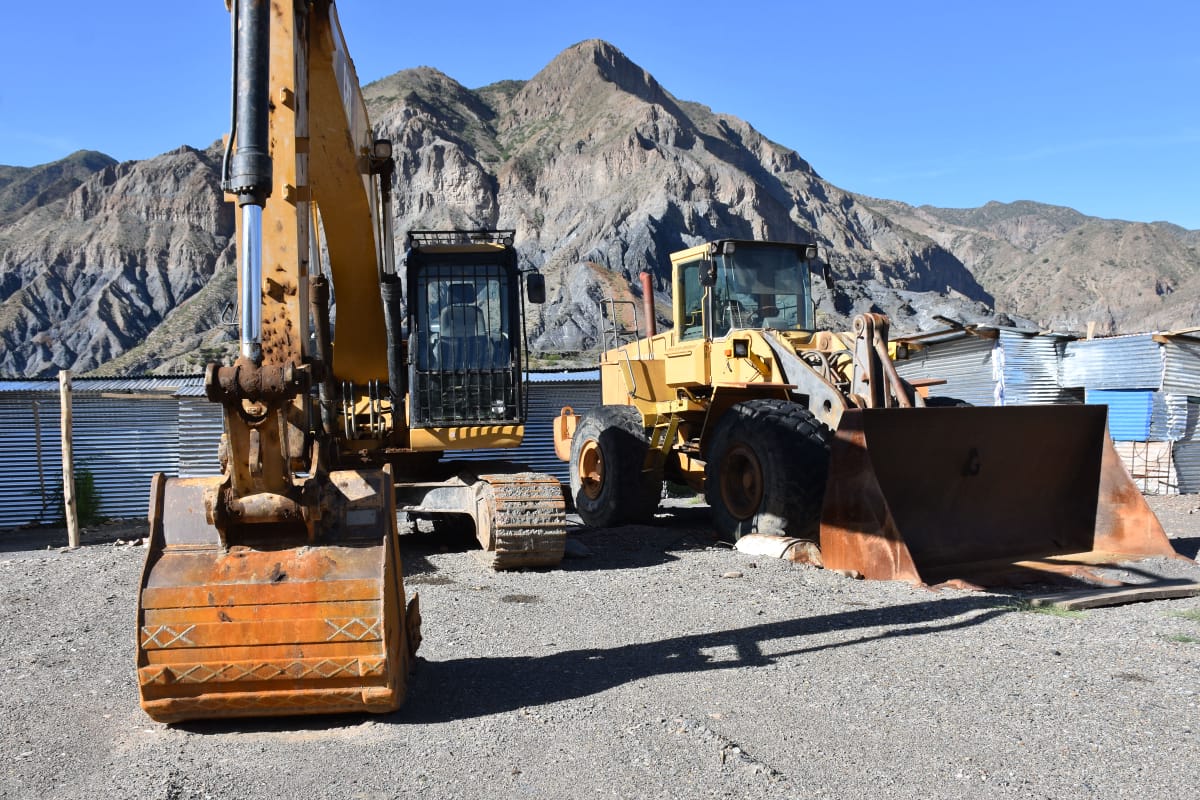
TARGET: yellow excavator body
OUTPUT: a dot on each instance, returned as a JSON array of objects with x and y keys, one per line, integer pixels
[{"x": 277, "y": 588}]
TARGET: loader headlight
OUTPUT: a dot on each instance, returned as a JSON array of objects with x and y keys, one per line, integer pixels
[
  {"x": 498, "y": 408},
  {"x": 741, "y": 348}
]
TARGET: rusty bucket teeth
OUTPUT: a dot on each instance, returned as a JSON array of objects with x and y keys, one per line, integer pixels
[
  {"x": 933, "y": 494},
  {"x": 278, "y": 627}
]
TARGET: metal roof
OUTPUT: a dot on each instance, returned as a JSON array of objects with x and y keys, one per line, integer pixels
[
  {"x": 942, "y": 335},
  {"x": 166, "y": 385},
  {"x": 565, "y": 376}
]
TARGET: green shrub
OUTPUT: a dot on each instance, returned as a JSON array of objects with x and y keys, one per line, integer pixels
[{"x": 87, "y": 499}]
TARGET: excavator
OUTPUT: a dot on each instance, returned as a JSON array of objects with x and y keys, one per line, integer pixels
[
  {"x": 811, "y": 438},
  {"x": 276, "y": 588}
]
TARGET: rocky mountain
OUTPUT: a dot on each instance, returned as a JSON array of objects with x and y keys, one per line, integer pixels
[
  {"x": 23, "y": 189},
  {"x": 596, "y": 165},
  {"x": 1065, "y": 270},
  {"x": 89, "y": 276},
  {"x": 126, "y": 268}
]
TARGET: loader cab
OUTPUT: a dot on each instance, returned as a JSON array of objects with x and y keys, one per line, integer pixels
[
  {"x": 731, "y": 284},
  {"x": 464, "y": 321}
]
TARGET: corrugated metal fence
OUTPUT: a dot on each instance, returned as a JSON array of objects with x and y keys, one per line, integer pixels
[
  {"x": 122, "y": 433},
  {"x": 125, "y": 430},
  {"x": 123, "y": 437}
]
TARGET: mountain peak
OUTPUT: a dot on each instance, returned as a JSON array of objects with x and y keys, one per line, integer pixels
[{"x": 596, "y": 58}]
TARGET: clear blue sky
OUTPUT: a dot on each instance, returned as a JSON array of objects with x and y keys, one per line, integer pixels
[{"x": 1092, "y": 104}]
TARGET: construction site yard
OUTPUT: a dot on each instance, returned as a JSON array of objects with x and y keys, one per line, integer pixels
[{"x": 655, "y": 663}]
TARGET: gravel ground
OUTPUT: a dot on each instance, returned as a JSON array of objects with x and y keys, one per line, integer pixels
[{"x": 660, "y": 666}]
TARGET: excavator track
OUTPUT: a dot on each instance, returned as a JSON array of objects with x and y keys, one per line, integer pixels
[{"x": 521, "y": 520}]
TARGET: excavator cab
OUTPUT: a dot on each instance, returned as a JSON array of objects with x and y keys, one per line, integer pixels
[{"x": 464, "y": 321}]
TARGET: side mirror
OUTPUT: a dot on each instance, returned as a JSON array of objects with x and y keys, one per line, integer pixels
[
  {"x": 827, "y": 273},
  {"x": 535, "y": 287},
  {"x": 708, "y": 273}
]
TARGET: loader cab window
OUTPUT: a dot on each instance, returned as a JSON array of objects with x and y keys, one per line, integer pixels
[
  {"x": 762, "y": 287},
  {"x": 692, "y": 326}
]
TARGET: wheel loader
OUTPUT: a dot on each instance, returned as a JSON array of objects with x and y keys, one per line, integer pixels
[
  {"x": 276, "y": 587},
  {"x": 810, "y": 434}
]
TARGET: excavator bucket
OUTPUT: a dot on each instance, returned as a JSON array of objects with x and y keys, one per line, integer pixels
[
  {"x": 984, "y": 495},
  {"x": 267, "y": 622}
]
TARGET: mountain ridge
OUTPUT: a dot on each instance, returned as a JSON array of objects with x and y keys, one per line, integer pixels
[{"x": 603, "y": 173}]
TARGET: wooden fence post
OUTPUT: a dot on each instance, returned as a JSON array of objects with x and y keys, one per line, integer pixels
[{"x": 68, "y": 461}]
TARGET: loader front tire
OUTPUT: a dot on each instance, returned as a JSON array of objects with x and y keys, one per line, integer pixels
[
  {"x": 608, "y": 454},
  {"x": 766, "y": 470}
]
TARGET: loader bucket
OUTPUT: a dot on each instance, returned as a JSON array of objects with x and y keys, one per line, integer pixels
[
  {"x": 275, "y": 624},
  {"x": 985, "y": 495}
]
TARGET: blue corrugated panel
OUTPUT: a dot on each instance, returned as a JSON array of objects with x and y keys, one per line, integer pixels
[{"x": 1129, "y": 412}]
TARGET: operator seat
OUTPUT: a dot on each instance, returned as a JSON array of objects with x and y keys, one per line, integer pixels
[{"x": 462, "y": 340}]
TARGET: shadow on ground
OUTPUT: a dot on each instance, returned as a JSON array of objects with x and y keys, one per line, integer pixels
[
  {"x": 466, "y": 688},
  {"x": 474, "y": 687}
]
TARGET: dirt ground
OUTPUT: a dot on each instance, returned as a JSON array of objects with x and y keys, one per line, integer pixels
[{"x": 661, "y": 664}]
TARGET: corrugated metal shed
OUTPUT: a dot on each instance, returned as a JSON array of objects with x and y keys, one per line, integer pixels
[
  {"x": 1187, "y": 465},
  {"x": 990, "y": 366},
  {"x": 1032, "y": 368},
  {"x": 1119, "y": 362},
  {"x": 200, "y": 427},
  {"x": 1181, "y": 367},
  {"x": 1169, "y": 417},
  {"x": 964, "y": 362},
  {"x": 123, "y": 443},
  {"x": 31, "y": 478}
]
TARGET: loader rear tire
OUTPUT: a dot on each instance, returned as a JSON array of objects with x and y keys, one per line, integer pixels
[
  {"x": 608, "y": 453},
  {"x": 766, "y": 470}
]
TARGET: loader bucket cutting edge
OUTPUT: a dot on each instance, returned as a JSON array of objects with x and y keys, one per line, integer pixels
[
  {"x": 931, "y": 494},
  {"x": 279, "y": 627}
]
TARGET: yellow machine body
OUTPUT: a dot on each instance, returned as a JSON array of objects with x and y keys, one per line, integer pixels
[
  {"x": 277, "y": 588},
  {"x": 812, "y": 434}
]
